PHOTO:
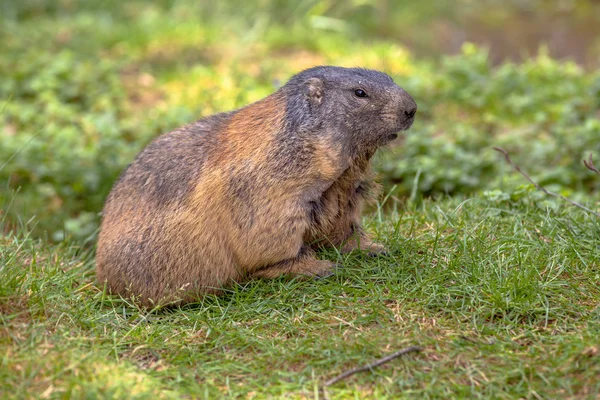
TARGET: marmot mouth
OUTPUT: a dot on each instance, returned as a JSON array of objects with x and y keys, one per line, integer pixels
[{"x": 393, "y": 136}]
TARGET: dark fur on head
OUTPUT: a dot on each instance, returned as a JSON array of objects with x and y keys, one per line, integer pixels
[{"x": 322, "y": 100}]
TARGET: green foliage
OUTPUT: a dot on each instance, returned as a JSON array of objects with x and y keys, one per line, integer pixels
[
  {"x": 543, "y": 110},
  {"x": 499, "y": 283},
  {"x": 87, "y": 84},
  {"x": 64, "y": 123}
]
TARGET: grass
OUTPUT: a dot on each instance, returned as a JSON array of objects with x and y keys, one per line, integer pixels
[
  {"x": 499, "y": 288},
  {"x": 502, "y": 296}
]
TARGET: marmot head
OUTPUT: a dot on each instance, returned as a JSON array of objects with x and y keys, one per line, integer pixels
[{"x": 365, "y": 108}]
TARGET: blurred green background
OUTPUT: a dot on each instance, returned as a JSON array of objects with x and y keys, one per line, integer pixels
[{"x": 84, "y": 85}]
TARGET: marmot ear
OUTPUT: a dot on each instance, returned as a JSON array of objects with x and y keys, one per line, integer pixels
[{"x": 314, "y": 90}]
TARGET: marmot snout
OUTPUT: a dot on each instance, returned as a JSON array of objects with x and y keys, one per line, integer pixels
[{"x": 251, "y": 193}]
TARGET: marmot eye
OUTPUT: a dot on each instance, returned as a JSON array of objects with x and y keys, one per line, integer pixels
[{"x": 360, "y": 93}]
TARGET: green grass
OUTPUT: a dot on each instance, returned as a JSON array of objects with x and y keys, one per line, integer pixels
[{"x": 503, "y": 297}]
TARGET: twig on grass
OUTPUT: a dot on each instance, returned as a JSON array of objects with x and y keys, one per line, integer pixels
[
  {"x": 369, "y": 367},
  {"x": 589, "y": 164},
  {"x": 541, "y": 188}
]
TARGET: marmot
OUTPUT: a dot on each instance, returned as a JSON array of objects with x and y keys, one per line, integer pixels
[{"x": 252, "y": 192}]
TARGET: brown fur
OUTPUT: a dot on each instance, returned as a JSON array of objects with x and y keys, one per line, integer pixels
[{"x": 229, "y": 198}]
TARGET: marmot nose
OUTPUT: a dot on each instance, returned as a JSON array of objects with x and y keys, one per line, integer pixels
[{"x": 410, "y": 113}]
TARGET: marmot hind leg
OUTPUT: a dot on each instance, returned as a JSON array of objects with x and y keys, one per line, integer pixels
[{"x": 304, "y": 264}]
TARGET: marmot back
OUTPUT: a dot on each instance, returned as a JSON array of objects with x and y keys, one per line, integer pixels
[{"x": 251, "y": 193}]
